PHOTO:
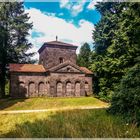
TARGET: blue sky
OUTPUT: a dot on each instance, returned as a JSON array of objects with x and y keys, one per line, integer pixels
[
  {"x": 72, "y": 22},
  {"x": 54, "y": 7}
]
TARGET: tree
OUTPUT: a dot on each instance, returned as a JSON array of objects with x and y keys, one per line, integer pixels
[
  {"x": 14, "y": 27},
  {"x": 117, "y": 41},
  {"x": 83, "y": 58},
  {"x": 126, "y": 100}
]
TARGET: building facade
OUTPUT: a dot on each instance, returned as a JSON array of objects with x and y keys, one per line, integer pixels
[{"x": 56, "y": 75}]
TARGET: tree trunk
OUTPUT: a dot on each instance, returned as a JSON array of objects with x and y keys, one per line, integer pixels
[
  {"x": 3, "y": 80},
  {"x": 4, "y": 56}
]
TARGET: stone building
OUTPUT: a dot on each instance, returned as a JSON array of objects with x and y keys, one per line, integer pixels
[{"x": 56, "y": 75}]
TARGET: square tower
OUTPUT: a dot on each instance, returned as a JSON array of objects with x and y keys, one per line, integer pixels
[{"x": 56, "y": 52}]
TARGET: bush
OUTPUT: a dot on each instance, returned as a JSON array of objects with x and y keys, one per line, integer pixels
[{"x": 127, "y": 100}]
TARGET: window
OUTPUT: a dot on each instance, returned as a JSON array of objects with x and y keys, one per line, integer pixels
[
  {"x": 68, "y": 69},
  {"x": 61, "y": 60}
]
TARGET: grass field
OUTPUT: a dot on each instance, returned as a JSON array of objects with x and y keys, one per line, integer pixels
[
  {"x": 62, "y": 124},
  {"x": 48, "y": 103},
  {"x": 66, "y": 124}
]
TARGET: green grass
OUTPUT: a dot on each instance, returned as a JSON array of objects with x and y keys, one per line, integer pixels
[
  {"x": 66, "y": 124},
  {"x": 48, "y": 103}
]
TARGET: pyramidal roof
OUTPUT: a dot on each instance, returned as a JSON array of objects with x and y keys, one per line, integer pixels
[
  {"x": 59, "y": 43},
  {"x": 55, "y": 43}
]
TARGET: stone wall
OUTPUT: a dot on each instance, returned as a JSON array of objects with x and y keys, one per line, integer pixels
[
  {"x": 54, "y": 84},
  {"x": 28, "y": 84},
  {"x": 51, "y": 56}
]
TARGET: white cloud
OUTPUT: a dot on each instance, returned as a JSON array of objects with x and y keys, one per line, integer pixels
[
  {"x": 50, "y": 26},
  {"x": 74, "y": 7},
  {"x": 91, "y": 5},
  {"x": 65, "y": 4},
  {"x": 50, "y": 14},
  {"x": 77, "y": 8}
]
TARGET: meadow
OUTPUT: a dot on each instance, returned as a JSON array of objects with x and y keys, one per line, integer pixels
[
  {"x": 49, "y": 103},
  {"x": 67, "y": 124}
]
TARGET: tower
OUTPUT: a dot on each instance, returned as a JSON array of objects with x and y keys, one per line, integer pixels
[{"x": 56, "y": 52}]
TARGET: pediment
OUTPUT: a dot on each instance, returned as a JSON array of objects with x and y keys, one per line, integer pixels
[{"x": 67, "y": 67}]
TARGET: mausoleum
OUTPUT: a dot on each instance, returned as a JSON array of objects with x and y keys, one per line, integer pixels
[{"x": 56, "y": 75}]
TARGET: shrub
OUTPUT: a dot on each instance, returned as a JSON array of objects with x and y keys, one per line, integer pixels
[{"x": 126, "y": 100}]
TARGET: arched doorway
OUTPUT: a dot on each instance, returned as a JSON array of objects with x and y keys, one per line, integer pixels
[
  {"x": 68, "y": 89},
  {"x": 31, "y": 88},
  {"x": 41, "y": 88},
  {"x": 86, "y": 88},
  {"x": 59, "y": 89},
  {"x": 77, "y": 88},
  {"x": 21, "y": 89}
]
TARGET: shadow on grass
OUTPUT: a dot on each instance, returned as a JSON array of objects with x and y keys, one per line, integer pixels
[
  {"x": 74, "y": 124},
  {"x": 8, "y": 102}
]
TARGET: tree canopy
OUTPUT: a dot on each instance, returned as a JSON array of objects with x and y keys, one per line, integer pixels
[
  {"x": 84, "y": 57},
  {"x": 117, "y": 44},
  {"x": 14, "y": 29},
  {"x": 126, "y": 100},
  {"x": 116, "y": 59}
]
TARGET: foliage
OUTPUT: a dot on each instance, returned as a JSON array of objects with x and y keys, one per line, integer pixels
[
  {"x": 83, "y": 58},
  {"x": 67, "y": 124},
  {"x": 117, "y": 44},
  {"x": 126, "y": 101},
  {"x": 14, "y": 27}
]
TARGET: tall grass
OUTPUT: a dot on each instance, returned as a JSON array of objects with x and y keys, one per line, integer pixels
[{"x": 67, "y": 124}]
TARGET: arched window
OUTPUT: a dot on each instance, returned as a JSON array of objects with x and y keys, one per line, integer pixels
[
  {"x": 61, "y": 60},
  {"x": 59, "y": 89},
  {"x": 77, "y": 88},
  {"x": 68, "y": 89},
  {"x": 31, "y": 88},
  {"x": 41, "y": 89}
]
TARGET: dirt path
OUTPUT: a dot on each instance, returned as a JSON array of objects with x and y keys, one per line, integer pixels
[{"x": 49, "y": 110}]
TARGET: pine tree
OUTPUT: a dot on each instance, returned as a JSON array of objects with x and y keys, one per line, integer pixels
[
  {"x": 83, "y": 58},
  {"x": 117, "y": 38},
  {"x": 14, "y": 27},
  {"x": 126, "y": 100}
]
